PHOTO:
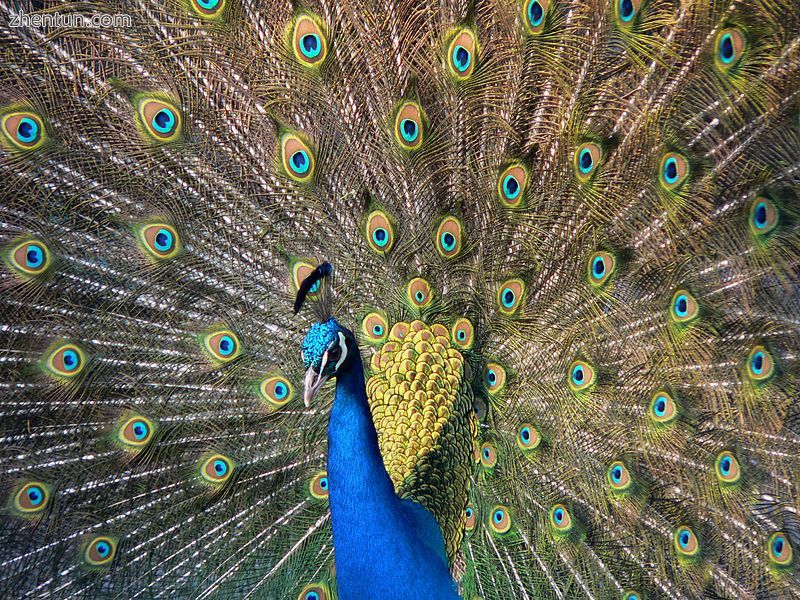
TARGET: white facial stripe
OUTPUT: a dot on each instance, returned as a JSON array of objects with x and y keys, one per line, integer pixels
[
  {"x": 324, "y": 362},
  {"x": 343, "y": 346}
]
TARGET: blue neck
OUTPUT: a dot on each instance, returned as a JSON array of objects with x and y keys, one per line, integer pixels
[{"x": 384, "y": 546}]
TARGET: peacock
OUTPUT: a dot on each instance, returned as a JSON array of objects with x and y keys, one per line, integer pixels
[{"x": 481, "y": 299}]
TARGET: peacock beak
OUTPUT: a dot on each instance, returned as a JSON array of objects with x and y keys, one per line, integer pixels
[{"x": 314, "y": 381}]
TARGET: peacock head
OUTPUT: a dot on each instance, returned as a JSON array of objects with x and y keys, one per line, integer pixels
[{"x": 328, "y": 349}]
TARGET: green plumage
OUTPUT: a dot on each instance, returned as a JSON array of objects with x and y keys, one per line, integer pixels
[{"x": 595, "y": 204}]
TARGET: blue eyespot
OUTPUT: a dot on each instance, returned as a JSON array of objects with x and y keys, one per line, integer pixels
[
  {"x": 725, "y": 465},
  {"x": 558, "y": 516},
  {"x": 380, "y": 236},
  {"x": 525, "y": 434},
  {"x": 461, "y": 58},
  {"x": 491, "y": 377},
  {"x": 681, "y": 305},
  {"x": 27, "y": 130},
  {"x": 164, "y": 240},
  {"x": 140, "y": 430},
  {"x": 34, "y": 256},
  {"x": 310, "y": 45},
  {"x": 777, "y": 545},
  {"x": 598, "y": 267},
  {"x": 585, "y": 161},
  {"x": 71, "y": 360},
  {"x": 761, "y": 215},
  {"x": 511, "y": 186},
  {"x": 726, "y": 49},
  {"x": 208, "y": 4},
  {"x": 535, "y": 13},
  {"x": 409, "y": 130},
  {"x": 164, "y": 121},
  {"x": 35, "y": 495},
  {"x": 660, "y": 407},
  {"x": 508, "y": 298},
  {"x": 103, "y": 549},
  {"x": 671, "y": 170},
  {"x": 448, "y": 241},
  {"x": 220, "y": 467},
  {"x": 468, "y": 512},
  {"x": 323, "y": 483},
  {"x": 487, "y": 453},
  {"x": 226, "y": 345},
  {"x": 577, "y": 375},
  {"x": 280, "y": 391},
  {"x": 626, "y": 10},
  {"x": 498, "y": 516},
  {"x": 616, "y": 474},
  {"x": 757, "y": 363},
  {"x": 377, "y": 330},
  {"x": 312, "y": 596},
  {"x": 683, "y": 538},
  {"x": 461, "y": 335},
  {"x": 300, "y": 162},
  {"x": 419, "y": 296}
]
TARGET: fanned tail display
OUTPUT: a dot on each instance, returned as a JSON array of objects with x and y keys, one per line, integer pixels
[{"x": 564, "y": 234}]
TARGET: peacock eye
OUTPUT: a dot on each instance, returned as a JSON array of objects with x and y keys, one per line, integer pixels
[
  {"x": 560, "y": 518},
  {"x": 208, "y": 8},
  {"x": 663, "y": 409},
  {"x": 619, "y": 478},
  {"x": 222, "y": 345},
  {"x": 626, "y": 11},
  {"x": 449, "y": 237},
  {"x": 631, "y": 595},
  {"x": 65, "y": 360},
  {"x": 581, "y": 376},
  {"x": 216, "y": 469},
  {"x": 314, "y": 591},
  {"x": 408, "y": 125},
  {"x": 731, "y": 45},
  {"x": 159, "y": 240},
  {"x": 136, "y": 432},
  {"x": 160, "y": 120},
  {"x": 686, "y": 543},
  {"x": 23, "y": 130},
  {"x": 587, "y": 159},
  {"x": 601, "y": 267},
  {"x": 379, "y": 232},
  {"x": 28, "y": 258},
  {"x": 760, "y": 365},
  {"x": 319, "y": 485},
  {"x": 511, "y": 185},
  {"x": 471, "y": 518},
  {"x": 500, "y": 520},
  {"x": 727, "y": 468},
  {"x": 375, "y": 328},
  {"x": 763, "y": 216},
  {"x": 488, "y": 455},
  {"x": 100, "y": 551},
  {"x": 463, "y": 333},
  {"x": 528, "y": 437},
  {"x": 275, "y": 391},
  {"x": 461, "y": 54},
  {"x": 779, "y": 549},
  {"x": 419, "y": 292},
  {"x": 309, "y": 43},
  {"x": 535, "y": 11},
  {"x": 31, "y": 498},
  {"x": 683, "y": 307},
  {"x": 674, "y": 171},
  {"x": 494, "y": 377},
  {"x": 509, "y": 296},
  {"x": 297, "y": 158}
]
